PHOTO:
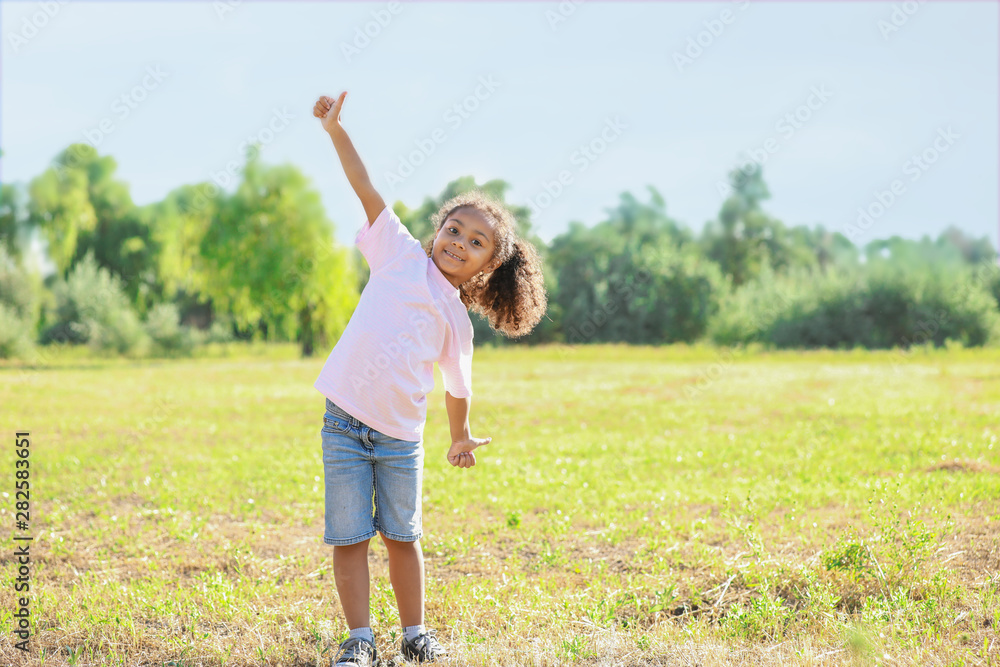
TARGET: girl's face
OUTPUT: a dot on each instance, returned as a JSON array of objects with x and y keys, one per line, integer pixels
[{"x": 463, "y": 246}]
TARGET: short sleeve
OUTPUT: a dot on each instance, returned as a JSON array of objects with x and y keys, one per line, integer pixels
[
  {"x": 456, "y": 362},
  {"x": 384, "y": 240}
]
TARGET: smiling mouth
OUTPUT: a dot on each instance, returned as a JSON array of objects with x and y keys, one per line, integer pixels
[{"x": 455, "y": 257}]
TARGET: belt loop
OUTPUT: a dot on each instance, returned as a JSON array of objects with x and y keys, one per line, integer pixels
[{"x": 350, "y": 418}]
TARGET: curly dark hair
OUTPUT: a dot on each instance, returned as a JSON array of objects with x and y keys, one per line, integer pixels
[{"x": 512, "y": 297}]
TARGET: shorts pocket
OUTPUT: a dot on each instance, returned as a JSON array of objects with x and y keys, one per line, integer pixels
[{"x": 335, "y": 423}]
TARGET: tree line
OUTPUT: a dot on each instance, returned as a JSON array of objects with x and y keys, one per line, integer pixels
[{"x": 261, "y": 263}]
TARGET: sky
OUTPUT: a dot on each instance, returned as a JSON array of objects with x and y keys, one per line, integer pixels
[{"x": 849, "y": 107}]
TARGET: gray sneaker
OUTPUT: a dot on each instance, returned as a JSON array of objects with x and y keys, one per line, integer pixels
[
  {"x": 425, "y": 648},
  {"x": 354, "y": 652}
]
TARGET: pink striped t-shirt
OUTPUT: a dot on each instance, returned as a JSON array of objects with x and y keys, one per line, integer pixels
[{"x": 409, "y": 316}]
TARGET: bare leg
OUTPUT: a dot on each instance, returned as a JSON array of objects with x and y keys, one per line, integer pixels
[
  {"x": 350, "y": 569},
  {"x": 406, "y": 574}
]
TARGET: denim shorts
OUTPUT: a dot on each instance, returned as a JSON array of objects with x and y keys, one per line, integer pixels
[{"x": 373, "y": 481}]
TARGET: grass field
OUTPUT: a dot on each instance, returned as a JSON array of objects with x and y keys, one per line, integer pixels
[{"x": 681, "y": 506}]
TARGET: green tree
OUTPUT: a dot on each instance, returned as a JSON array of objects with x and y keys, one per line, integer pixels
[
  {"x": 828, "y": 248},
  {"x": 14, "y": 229},
  {"x": 179, "y": 224},
  {"x": 973, "y": 251},
  {"x": 951, "y": 248},
  {"x": 82, "y": 209},
  {"x": 744, "y": 239},
  {"x": 635, "y": 277},
  {"x": 270, "y": 259},
  {"x": 59, "y": 205}
]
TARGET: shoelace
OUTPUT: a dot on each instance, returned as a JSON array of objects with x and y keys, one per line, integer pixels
[
  {"x": 425, "y": 640},
  {"x": 357, "y": 645}
]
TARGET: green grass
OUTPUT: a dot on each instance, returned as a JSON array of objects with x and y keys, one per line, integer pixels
[{"x": 637, "y": 505}]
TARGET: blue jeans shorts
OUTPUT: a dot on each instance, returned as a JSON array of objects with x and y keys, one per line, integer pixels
[{"x": 373, "y": 481}]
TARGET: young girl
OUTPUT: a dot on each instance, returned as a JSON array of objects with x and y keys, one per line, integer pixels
[{"x": 412, "y": 312}]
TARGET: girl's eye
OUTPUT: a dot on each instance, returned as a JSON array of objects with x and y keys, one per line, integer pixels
[{"x": 473, "y": 240}]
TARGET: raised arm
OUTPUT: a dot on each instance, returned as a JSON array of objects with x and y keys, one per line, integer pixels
[{"x": 328, "y": 110}]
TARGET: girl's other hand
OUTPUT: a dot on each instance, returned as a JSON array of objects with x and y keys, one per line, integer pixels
[
  {"x": 328, "y": 109},
  {"x": 460, "y": 454}
]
